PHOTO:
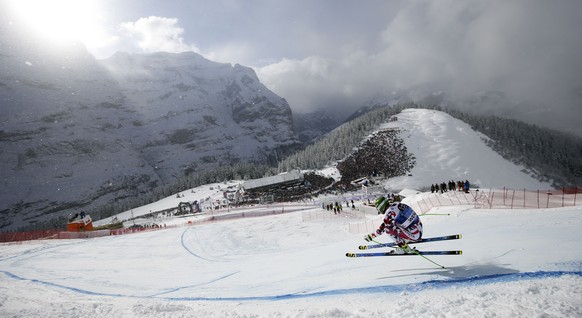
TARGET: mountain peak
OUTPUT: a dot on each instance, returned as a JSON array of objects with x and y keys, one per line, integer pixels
[{"x": 95, "y": 132}]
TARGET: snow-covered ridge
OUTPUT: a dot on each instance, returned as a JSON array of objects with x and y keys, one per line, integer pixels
[
  {"x": 282, "y": 265},
  {"x": 445, "y": 149}
]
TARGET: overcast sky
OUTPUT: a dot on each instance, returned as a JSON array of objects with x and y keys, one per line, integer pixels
[{"x": 322, "y": 53}]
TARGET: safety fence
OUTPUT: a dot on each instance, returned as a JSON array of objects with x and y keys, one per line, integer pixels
[
  {"x": 367, "y": 226},
  {"x": 28, "y": 235},
  {"x": 478, "y": 198},
  {"x": 258, "y": 211},
  {"x": 318, "y": 214},
  {"x": 501, "y": 199},
  {"x": 486, "y": 199}
]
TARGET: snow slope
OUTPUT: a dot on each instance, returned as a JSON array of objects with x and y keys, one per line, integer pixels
[
  {"x": 516, "y": 263},
  {"x": 449, "y": 149},
  {"x": 445, "y": 149}
]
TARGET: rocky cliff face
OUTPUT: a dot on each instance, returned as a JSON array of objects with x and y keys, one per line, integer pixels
[
  {"x": 76, "y": 133},
  {"x": 216, "y": 113}
]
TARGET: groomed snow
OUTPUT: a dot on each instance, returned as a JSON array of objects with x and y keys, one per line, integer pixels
[{"x": 515, "y": 263}]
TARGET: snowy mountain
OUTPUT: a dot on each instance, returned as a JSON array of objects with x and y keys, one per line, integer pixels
[
  {"x": 292, "y": 261},
  {"x": 215, "y": 113},
  {"x": 77, "y": 132},
  {"x": 445, "y": 149},
  {"x": 487, "y": 102}
]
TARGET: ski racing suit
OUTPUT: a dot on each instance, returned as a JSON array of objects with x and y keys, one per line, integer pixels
[{"x": 401, "y": 223}]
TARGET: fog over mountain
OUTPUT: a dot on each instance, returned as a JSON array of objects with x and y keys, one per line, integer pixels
[
  {"x": 77, "y": 133},
  {"x": 518, "y": 59}
]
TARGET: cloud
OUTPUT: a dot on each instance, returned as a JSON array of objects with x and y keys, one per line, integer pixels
[
  {"x": 343, "y": 53},
  {"x": 316, "y": 82},
  {"x": 506, "y": 45},
  {"x": 528, "y": 49},
  {"x": 154, "y": 34},
  {"x": 231, "y": 52}
]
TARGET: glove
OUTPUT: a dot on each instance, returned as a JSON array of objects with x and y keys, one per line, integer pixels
[{"x": 370, "y": 237}]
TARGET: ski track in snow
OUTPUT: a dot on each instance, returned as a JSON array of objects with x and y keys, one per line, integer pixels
[
  {"x": 188, "y": 249},
  {"x": 190, "y": 286},
  {"x": 431, "y": 284},
  {"x": 210, "y": 269}
]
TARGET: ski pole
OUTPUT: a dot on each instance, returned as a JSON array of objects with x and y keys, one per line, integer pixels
[
  {"x": 435, "y": 214},
  {"x": 416, "y": 252},
  {"x": 426, "y": 258}
]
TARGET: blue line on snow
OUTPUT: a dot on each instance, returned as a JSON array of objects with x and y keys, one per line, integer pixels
[
  {"x": 191, "y": 286},
  {"x": 189, "y": 251},
  {"x": 475, "y": 280},
  {"x": 78, "y": 290},
  {"x": 36, "y": 250},
  {"x": 398, "y": 288}
]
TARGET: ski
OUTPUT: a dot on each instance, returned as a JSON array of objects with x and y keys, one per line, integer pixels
[
  {"x": 407, "y": 254},
  {"x": 424, "y": 240}
]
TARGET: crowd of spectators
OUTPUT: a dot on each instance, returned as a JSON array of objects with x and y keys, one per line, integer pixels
[
  {"x": 450, "y": 186},
  {"x": 384, "y": 153},
  {"x": 335, "y": 207}
]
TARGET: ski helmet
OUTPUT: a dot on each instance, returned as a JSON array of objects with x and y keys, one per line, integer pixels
[{"x": 381, "y": 204}]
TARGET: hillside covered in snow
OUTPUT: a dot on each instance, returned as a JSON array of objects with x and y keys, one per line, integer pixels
[
  {"x": 79, "y": 133},
  {"x": 445, "y": 149},
  {"x": 288, "y": 260},
  {"x": 286, "y": 265}
]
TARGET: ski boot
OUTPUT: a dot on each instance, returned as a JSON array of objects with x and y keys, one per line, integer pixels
[{"x": 403, "y": 249}]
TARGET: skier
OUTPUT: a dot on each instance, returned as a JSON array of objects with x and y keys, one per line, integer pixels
[{"x": 400, "y": 222}]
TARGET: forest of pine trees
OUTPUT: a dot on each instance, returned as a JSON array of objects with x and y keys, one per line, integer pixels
[
  {"x": 384, "y": 154},
  {"x": 548, "y": 155},
  {"x": 340, "y": 142}
]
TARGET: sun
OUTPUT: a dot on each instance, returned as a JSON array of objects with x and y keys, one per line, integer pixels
[{"x": 59, "y": 20}]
